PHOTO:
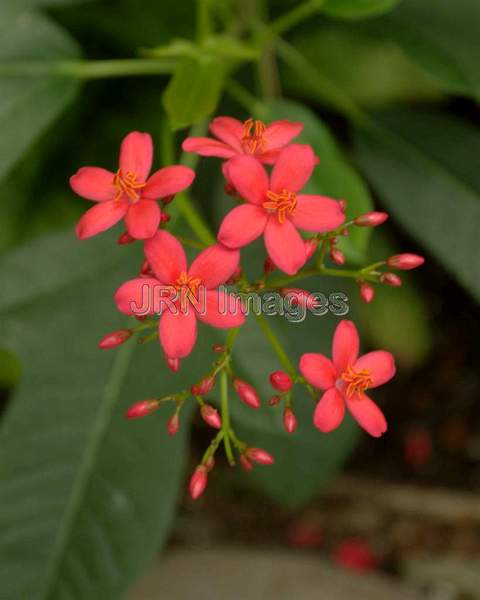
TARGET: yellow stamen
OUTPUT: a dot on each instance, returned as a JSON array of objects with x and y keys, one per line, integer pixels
[
  {"x": 283, "y": 203},
  {"x": 253, "y": 139},
  {"x": 127, "y": 184},
  {"x": 186, "y": 286},
  {"x": 358, "y": 381}
]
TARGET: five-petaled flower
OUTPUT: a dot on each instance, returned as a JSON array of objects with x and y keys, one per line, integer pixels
[
  {"x": 181, "y": 305},
  {"x": 345, "y": 379},
  {"x": 273, "y": 206},
  {"x": 251, "y": 137},
  {"x": 128, "y": 193}
]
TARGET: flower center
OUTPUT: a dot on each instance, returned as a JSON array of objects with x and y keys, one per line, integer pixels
[
  {"x": 187, "y": 287},
  {"x": 282, "y": 203},
  {"x": 127, "y": 184},
  {"x": 358, "y": 381},
  {"x": 253, "y": 139}
]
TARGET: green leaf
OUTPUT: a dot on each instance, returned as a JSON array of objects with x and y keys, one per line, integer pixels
[
  {"x": 29, "y": 104},
  {"x": 334, "y": 176},
  {"x": 424, "y": 167},
  {"x": 194, "y": 90},
  {"x": 86, "y": 497},
  {"x": 442, "y": 36},
  {"x": 355, "y": 9}
]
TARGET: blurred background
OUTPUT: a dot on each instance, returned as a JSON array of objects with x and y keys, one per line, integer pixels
[{"x": 93, "y": 507}]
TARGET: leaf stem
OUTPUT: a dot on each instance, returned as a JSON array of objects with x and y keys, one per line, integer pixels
[
  {"x": 226, "y": 417},
  {"x": 276, "y": 344},
  {"x": 295, "y": 16}
]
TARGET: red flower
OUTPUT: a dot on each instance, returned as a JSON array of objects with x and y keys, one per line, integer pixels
[
  {"x": 274, "y": 209},
  {"x": 183, "y": 303},
  {"x": 345, "y": 379},
  {"x": 251, "y": 137},
  {"x": 128, "y": 193}
]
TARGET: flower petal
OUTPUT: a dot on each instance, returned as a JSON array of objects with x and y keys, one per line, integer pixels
[
  {"x": 136, "y": 154},
  {"x": 249, "y": 178},
  {"x": 367, "y": 414},
  {"x": 93, "y": 183},
  {"x": 317, "y": 213},
  {"x": 100, "y": 217},
  {"x": 178, "y": 333},
  {"x": 166, "y": 256},
  {"x": 222, "y": 310},
  {"x": 293, "y": 168},
  {"x": 207, "y": 147},
  {"x": 242, "y": 225},
  {"x": 381, "y": 365},
  {"x": 280, "y": 133},
  {"x": 168, "y": 181},
  {"x": 228, "y": 130},
  {"x": 215, "y": 265},
  {"x": 284, "y": 245},
  {"x": 269, "y": 157},
  {"x": 329, "y": 411},
  {"x": 345, "y": 345},
  {"x": 137, "y": 296},
  {"x": 318, "y": 370},
  {"x": 142, "y": 219}
]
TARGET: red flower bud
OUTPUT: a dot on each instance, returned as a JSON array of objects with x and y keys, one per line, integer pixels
[
  {"x": 268, "y": 266},
  {"x": 173, "y": 424},
  {"x": 198, "y": 482},
  {"x": 125, "y": 238},
  {"x": 355, "y": 555},
  {"x": 262, "y": 457},
  {"x": 371, "y": 219},
  {"x": 281, "y": 381},
  {"x": 173, "y": 364},
  {"x": 168, "y": 199},
  {"x": 210, "y": 416},
  {"x": 142, "y": 408},
  {"x": 202, "y": 388},
  {"x": 236, "y": 276},
  {"x": 274, "y": 400},
  {"x": 366, "y": 292},
  {"x": 246, "y": 393},
  {"x": 343, "y": 205},
  {"x": 114, "y": 339},
  {"x": 299, "y": 297},
  {"x": 337, "y": 256},
  {"x": 246, "y": 464},
  {"x": 289, "y": 420},
  {"x": 218, "y": 348},
  {"x": 164, "y": 217},
  {"x": 311, "y": 246},
  {"x": 390, "y": 279},
  {"x": 406, "y": 261}
]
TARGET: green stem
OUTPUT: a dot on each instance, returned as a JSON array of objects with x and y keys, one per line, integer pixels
[
  {"x": 276, "y": 345},
  {"x": 88, "y": 69},
  {"x": 204, "y": 25},
  {"x": 253, "y": 106},
  {"x": 295, "y": 16},
  {"x": 226, "y": 417}
]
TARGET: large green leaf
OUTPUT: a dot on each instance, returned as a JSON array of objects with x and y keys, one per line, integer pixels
[
  {"x": 354, "y": 9},
  {"x": 442, "y": 36},
  {"x": 86, "y": 496},
  {"x": 28, "y": 104},
  {"x": 334, "y": 176},
  {"x": 424, "y": 167}
]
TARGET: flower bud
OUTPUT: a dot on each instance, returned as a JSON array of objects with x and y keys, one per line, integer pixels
[
  {"x": 125, "y": 238},
  {"x": 173, "y": 424},
  {"x": 355, "y": 554},
  {"x": 343, "y": 205},
  {"x": 246, "y": 393},
  {"x": 268, "y": 266},
  {"x": 198, "y": 482},
  {"x": 371, "y": 219},
  {"x": 262, "y": 457},
  {"x": 210, "y": 416},
  {"x": 281, "y": 381},
  {"x": 114, "y": 339},
  {"x": 202, "y": 388},
  {"x": 299, "y": 297},
  {"x": 390, "y": 279},
  {"x": 274, "y": 400},
  {"x": 218, "y": 348},
  {"x": 173, "y": 364},
  {"x": 406, "y": 261},
  {"x": 337, "y": 256},
  {"x": 142, "y": 408},
  {"x": 164, "y": 217},
  {"x": 236, "y": 276},
  {"x": 168, "y": 199},
  {"x": 246, "y": 464},
  {"x": 366, "y": 292},
  {"x": 289, "y": 420},
  {"x": 311, "y": 246}
]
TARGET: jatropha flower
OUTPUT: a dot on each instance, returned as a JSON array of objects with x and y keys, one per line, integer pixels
[
  {"x": 183, "y": 294},
  {"x": 345, "y": 380},
  {"x": 273, "y": 206},
  {"x": 128, "y": 193},
  {"x": 251, "y": 137}
]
